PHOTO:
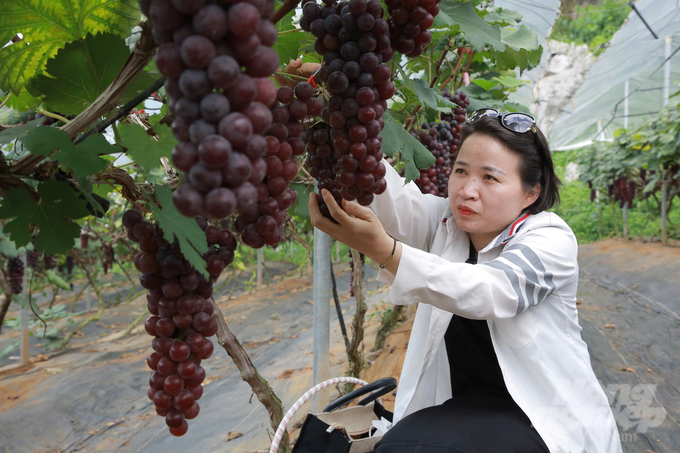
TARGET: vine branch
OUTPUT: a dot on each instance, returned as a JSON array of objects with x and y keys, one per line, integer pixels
[
  {"x": 356, "y": 359},
  {"x": 281, "y": 12}
]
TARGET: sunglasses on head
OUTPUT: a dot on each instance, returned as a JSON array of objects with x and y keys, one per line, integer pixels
[{"x": 515, "y": 122}]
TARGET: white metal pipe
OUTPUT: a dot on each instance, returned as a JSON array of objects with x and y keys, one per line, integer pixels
[
  {"x": 667, "y": 71},
  {"x": 664, "y": 214},
  {"x": 322, "y": 316}
]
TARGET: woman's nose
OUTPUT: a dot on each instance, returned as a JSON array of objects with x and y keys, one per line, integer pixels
[{"x": 469, "y": 189}]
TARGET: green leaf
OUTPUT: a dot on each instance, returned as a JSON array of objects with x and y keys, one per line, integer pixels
[
  {"x": 510, "y": 81},
  {"x": 52, "y": 214},
  {"x": 143, "y": 148},
  {"x": 18, "y": 132},
  {"x": 84, "y": 159},
  {"x": 425, "y": 94},
  {"x": 57, "y": 280},
  {"x": 486, "y": 84},
  {"x": 46, "y": 25},
  {"x": 192, "y": 241},
  {"x": 140, "y": 83},
  {"x": 96, "y": 60},
  {"x": 303, "y": 192},
  {"x": 413, "y": 153},
  {"x": 522, "y": 50},
  {"x": 287, "y": 45},
  {"x": 477, "y": 31},
  {"x": 44, "y": 140}
]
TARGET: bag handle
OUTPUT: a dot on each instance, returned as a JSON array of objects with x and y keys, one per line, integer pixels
[
  {"x": 379, "y": 388},
  {"x": 308, "y": 394}
]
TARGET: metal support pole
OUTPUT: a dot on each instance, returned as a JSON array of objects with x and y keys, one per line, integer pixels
[
  {"x": 625, "y": 220},
  {"x": 322, "y": 316},
  {"x": 23, "y": 315},
  {"x": 667, "y": 71},
  {"x": 626, "y": 88},
  {"x": 664, "y": 214},
  {"x": 260, "y": 254}
]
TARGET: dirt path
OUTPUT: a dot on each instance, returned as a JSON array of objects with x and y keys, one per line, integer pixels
[{"x": 93, "y": 398}]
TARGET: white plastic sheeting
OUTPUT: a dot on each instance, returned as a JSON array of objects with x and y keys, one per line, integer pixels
[{"x": 634, "y": 56}]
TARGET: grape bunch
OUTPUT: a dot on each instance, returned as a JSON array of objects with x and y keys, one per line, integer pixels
[
  {"x": 221, "y": 110},
  {"x": 436, "y": 138},
  {"x": 623, "y": 191},
  {"x": 70, "y": 264},
  {"x": 84, "y": 240},
  {"x": 456, "y": 118},
  {"x": 262, "y": 224},
  {"x": 354, "y": 41},
  {"x": 15, "y": 269},
  {"x": 33, "y": 258},
  {"x": 107, "y": 249},
  {"x": 181, "y": 322},
  {"x": 409, "y": 24},
  {"x": 49, "y": 262}
]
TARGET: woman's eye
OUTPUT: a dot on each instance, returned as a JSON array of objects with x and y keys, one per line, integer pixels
[
  {"x": 491, "y": 177},
  {"x": 458, "y": 170}
]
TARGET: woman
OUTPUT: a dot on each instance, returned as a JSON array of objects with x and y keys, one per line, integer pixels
[{"x": 495, "y": 362}]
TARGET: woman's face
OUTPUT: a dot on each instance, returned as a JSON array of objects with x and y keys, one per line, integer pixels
[{"x": 485, "y": 179}]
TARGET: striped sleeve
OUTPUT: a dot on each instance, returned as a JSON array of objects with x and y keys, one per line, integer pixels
[{"x": 540, "y": 263}]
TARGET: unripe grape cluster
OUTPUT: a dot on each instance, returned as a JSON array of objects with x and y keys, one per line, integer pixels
[
  {"x": 221, "y": 110},
  {"x": 409, "y": 24},
  {"x": 15, "y": 270},
  {"x": 181, "y": 319},
  {"x": 262, "y": 224}
]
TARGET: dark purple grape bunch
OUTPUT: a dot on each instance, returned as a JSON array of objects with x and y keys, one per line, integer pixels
[
  {"x": 217, "y": 59},
  {"x": 15, "y": 270},
  {"x": 107, "y": 250},
  {"x": 623, "y": 191},
  {"x": 262, "y": 224},
  {"x": 70, "y": 264},
  {"x": 456, "y": 118},
  {"x": 409, "y": 24},
  {"x": 33, "y": 259},
  {"x": 435, "y": 179},
  {"x": 84, "y": 240},
  {"x": 354, "y": 41},
  {"x": 181, "y": 320},
  {"x": 49, "y": 262}
]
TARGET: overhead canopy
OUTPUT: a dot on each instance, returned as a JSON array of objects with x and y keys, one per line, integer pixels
[{"x": 636, "y": 56}]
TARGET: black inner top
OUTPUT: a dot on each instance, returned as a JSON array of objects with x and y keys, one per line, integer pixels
[{"x": 472, "y": 359}]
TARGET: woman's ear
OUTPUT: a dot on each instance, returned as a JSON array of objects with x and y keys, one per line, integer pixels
[{"x": 531, "y": 196}]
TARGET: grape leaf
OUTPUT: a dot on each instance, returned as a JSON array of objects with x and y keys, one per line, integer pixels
[
  {"x": 84, "y": 160},
  {"x": 96, "y": 60},
  {"x": 476, "y": 30},
  {"x": 13, "y": 133},
  {"x": 143, "y": 148},
  {"x": 301, "y": 205},
  {"x": 192, "y": 241},
  {"x": 287, "y": 45},
  {"x": 52, "y": 214},
  {"x": 413, "y": 153},
  {"x": 46, "y": 25},
  {"x": 429, "y": 96}
]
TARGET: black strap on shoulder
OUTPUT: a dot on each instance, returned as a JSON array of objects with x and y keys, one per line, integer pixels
[{"x": 473, "y": 254}]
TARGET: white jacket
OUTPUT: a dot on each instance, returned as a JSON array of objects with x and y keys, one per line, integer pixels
[{"x": 525, "y": 287}]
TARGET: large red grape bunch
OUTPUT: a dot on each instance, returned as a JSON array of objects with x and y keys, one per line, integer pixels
[
  {"x": 49, "y": 262},
  {"x": 84, "y": 240},
  {"x": 354, "y": 41},
  {"x": 435, "y": 179},
  {"x": 262, "y": 223},
  {"x": 456, "y": 118},
  {"x": 217, "y": 59},
  {"x": 181, "y": 319},
  {"x": 15, "y": 269},
  {"x": 409, "y": 24},
  {"x": 623, "y": 191}
]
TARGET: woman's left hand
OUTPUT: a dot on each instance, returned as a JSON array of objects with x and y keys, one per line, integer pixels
[{"x": 358, "y": 226}]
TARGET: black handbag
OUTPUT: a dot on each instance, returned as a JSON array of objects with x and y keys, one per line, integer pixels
[{"x": 346, "y": 430}]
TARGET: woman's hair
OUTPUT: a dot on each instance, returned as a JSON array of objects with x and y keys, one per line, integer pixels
[{"x": 536, "y": 165}]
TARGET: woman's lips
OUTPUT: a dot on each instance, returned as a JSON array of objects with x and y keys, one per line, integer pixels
[{"x": 465, "y": 211}]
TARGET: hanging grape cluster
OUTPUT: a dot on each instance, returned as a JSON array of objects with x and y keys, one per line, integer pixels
[
  {"x": 355, "y": 43},
  {"x": 436, "y": 137},
  {"x": 49, "y": 262},
  {"x": 262, "y": 224},
  {"x": 15, "y": 269},
  {"x": 181, "y": 322},
  {"x": 33, "y": 259},
  {"x": 409, "y": 24},
  {"x": 622, "y": 190},
  {"x": 220, "y": 110},
  {"x": 84, "y": 240},
  {"x": 456, "y": 118},
  {"x": 70, "y": 264}
]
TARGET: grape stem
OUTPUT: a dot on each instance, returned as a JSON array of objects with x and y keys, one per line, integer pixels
[
  {"x": 280, "y": 14},
  {"x": 54, "y": 116},
  {"x": 249, "y": 373},
  {"x": 354, "y": 355}
]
